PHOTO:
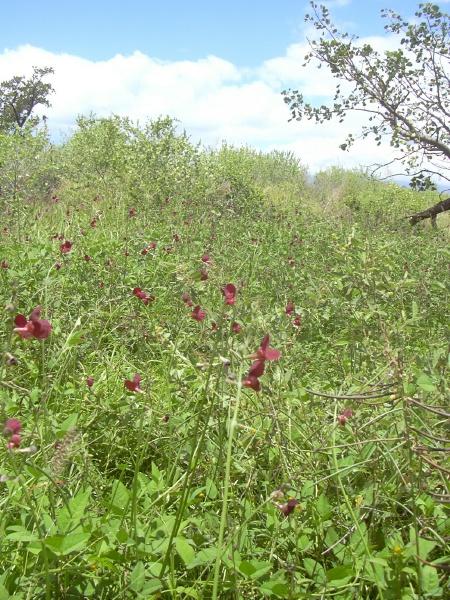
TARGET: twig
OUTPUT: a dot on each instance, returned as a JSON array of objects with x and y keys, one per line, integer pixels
[
  {"x": 432, "y": 409},
  {"x": 431, "y": 437},
  {"x": 349, "y": 396}
]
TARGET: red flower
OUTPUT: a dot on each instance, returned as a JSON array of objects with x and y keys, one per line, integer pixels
[
  {"x": 198, "y": 314},
  {"x": 34, "y": 327},
  {"x": 288, "y": 506},
  {"x": 144, "y": 251},
  {"x": 257, "y": 368},
  {"x": 93, "y": 223},
  {"x": 152, "y": 246},
  {"x": 66, "y": 247},
  {"x": 297, "y": 322},
  {"x": 132, "y": 212},
  {"x": 87, "y": 258},
  {"x": 229, "y": 292},
  {"x": 146, "y": 298},
  {"x": 133, "y": 385},
  {"x": 344, "y": 416},
  {"x": 235, "y": 327},
  {"x": 14, "y": 441},
  {"x": 252, "y": 382},
  {"x": 187, "y": 299},
  {"x": 12, "y": 426},
  {"x": 89, "y": 381},
  {"x": 203, "y": 275},
  {"x": 12, "y": 429},
  {"x": 289, "y": 308},
  {"x": 206, "y": 259},
  {"x": 264, "y": 352}
]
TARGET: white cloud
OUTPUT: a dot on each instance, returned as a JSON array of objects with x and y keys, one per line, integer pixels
[{"x": 214, "y": 99}]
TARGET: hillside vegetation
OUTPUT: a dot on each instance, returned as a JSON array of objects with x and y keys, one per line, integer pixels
[{"x": 157, "y": 443}]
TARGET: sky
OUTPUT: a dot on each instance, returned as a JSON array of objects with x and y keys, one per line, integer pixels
[{"x": 218, "y": 67}]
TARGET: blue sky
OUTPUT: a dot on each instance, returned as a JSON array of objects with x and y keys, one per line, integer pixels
[
  {"x": 217, "y": 67},
  {"x": 243, "y": 32}
]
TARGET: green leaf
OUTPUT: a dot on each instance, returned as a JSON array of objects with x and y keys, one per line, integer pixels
[
  {"x": 20, "y": 534},
  {"x": 204, "y": 557},
  {"x": 69, "y": 517},
  {"x": 119, "y": 496},
  {"x": 275, "y": 587},
  {"x": 137, "y": 577},
  {"x": 185, "y": 550},
  {"x": 68, "y": 424},
  {"x": 425, "y": 383},
  {"x": 323, "y": 507},
  {"x": 340, "y": 575},
  {"x": 211, "y": 489},
  {"x": 65, "y": 544}
]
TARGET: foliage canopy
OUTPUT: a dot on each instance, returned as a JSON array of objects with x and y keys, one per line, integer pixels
[
  {"x": 404, "y": 92},
  {"x": 20, "y": 96}
]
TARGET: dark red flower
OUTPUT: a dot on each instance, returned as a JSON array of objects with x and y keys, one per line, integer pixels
[
  {"x": 4, "y": 264},
  {"x": 252, "y": 382},
  {"x": 152, "y": 246},
  {"x": 198, "y": 314},
  {"x": 14, "y": 441},
  {"x": 297, "y": 322},
  {"x": 288, "y": 506},
  {"x": 264, "y": 352},
  {"x": 133, "y": 385},
  {"x": 89, "y": 381},
  {"x": 34, "y": 327},
  {"x": 289, "y": 308},
  {"x": 229, "y": 292},
  {"x": 206, "y": 259},
  {"x": 144, "y": 296},
  {"x": 87, "y": 258},
  {"x": 257, "y": 368},
  {"x": 12, "y": 426},
  {"x": 235, "y": 327},
  {"x": 344, "y": 416},
  {"x": 93, "y": 223},
  {"x": 187, "y": 299},
  {"x": 66, "y": 247},
  {"x": 144, "y": 251},
  {"x": 203, "y": 275},
  {"x": 132, "y": 212}
]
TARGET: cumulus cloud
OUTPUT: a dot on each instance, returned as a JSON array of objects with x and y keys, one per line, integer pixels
[{"x": 213, "y": 98}]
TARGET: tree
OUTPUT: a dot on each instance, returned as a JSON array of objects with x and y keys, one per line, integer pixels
[
  {"x": 405, "y": 92},
  {"x": 20, "y": 96}
]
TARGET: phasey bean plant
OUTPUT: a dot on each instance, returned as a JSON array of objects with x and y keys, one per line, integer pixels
[
  {"x": 213, "y": 384},
  {"x": 404, "y": 92}
]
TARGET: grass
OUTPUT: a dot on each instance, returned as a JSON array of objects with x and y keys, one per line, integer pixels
[{"x": 181, "y": 490}]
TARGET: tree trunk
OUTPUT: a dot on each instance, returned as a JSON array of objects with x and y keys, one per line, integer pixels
[{"x": 430, "y": 213}]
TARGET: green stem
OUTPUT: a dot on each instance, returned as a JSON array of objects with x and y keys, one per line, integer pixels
[{"x": 223, "y": 516}]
